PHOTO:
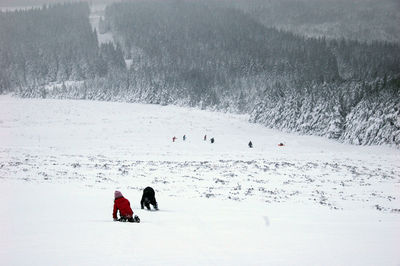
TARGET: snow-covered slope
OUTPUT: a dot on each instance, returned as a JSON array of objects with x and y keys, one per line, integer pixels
[{"x": 310, "y": 202}]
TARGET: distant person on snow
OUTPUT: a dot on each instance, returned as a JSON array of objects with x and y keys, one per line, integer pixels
[
  {"x": 205, "y": 137},
  {"x": 173, "y": 139},
  {"x": 281, "y": 144},
  {"x": 148, "y": 198},
  {"x": 212, "y": 140},
  {"x": 122, "y": 205},
  {"x": 250, "y": 144},
  {"x": 184, "y": 137}
]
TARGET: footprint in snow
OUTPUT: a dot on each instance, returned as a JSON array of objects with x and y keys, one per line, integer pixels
[{"x": 266, "y": 220}]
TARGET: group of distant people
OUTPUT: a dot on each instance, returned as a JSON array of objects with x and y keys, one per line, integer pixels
[
  {"x": 122, "y": 205},
  {"x": 212, "y": 140}
]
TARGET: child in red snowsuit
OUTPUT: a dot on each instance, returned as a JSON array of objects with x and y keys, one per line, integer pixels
[{"x": 122, "y": 205}]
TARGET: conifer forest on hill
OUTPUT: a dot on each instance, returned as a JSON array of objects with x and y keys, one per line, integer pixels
[{"x": 295, "y": 73}]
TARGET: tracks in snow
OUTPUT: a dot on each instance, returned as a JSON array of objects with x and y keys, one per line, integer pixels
[{"x": 331, "y": 184}]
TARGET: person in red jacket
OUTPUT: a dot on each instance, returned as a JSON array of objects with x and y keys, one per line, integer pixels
[{"x": 122, "y": 205}]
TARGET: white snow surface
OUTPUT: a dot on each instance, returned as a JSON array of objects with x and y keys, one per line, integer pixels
[{"x": 311, "y": 202}]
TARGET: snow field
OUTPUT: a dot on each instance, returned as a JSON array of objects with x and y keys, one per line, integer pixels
[
  {"x": 311, "y": 202},
  {"x": 67, "y": 225}
]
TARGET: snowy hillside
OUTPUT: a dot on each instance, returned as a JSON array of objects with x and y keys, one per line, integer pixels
[
  {"x": 214, "y": 55},
  {"x": 310, "y": 202}
]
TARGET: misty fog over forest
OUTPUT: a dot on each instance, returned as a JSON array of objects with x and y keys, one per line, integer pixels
[{"x": 327, "y": 68}]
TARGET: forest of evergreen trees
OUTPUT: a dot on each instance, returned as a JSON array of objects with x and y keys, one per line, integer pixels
[
  {"x": 51, "y": 44},
  {"x": 207, "y": 54}
]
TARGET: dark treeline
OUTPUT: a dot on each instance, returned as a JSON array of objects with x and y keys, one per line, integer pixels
[
  {"x": 207, "y": 54},
  {"x": 201, "y": 47},
  {"x": 223, "y": 43},
  {"x": 51, "y": 44}
]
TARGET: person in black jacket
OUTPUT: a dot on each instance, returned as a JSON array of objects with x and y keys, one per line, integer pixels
[{"x": 148, "y": 198}]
